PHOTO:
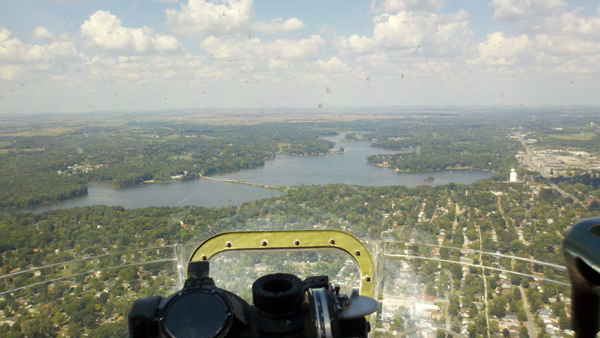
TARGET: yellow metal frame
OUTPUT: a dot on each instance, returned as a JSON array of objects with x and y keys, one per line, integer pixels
[{"x": 292, "y": 240}]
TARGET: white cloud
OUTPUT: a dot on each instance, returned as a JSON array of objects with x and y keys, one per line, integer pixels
[
  {"x": 41, "y": 33},
  {"x": 19, "y": 61},
  {"x": 374, "y": 60},
  {"x": 143, "y": 69},
  {"x": 15, "y": 51},
  {"x": 415, "y": 54},
  {"x": 251, "y": 49},
  {"x": 9, "y": 72},
  {"x": 505, "y": 55},
  {"x": 199, "y": 17},
  {"x": 277, "y": 25},
  {"x": 334, "y": 65},
  {"x": 560, "y": 45},
  {"x": 394, "y": 6},
  {"x": 427, "y": 34},
  {"x": 104, "y": 30},
  {"x": 357, "y": 43},
  {"x": 547, "y": 17},
  {"x": 560, "y": 41},
  {"x": 279, "y": 64},
  {"x": 563, "y": 24},
  {"x": 167, "y": 44},
  {"x": 516, "y": 10},
  {"x": 501, "y": 49}
]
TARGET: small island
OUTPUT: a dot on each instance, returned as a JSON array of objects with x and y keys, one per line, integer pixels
[{"x": 429, "y": 179}]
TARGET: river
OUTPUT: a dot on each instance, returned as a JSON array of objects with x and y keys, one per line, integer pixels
[{"x": 348, "y": 168}]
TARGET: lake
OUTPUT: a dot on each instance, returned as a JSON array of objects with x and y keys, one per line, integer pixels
[{"x": 347, "y": 168}]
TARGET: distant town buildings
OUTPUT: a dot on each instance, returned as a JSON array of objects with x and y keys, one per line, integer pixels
[{"x": 555, "y": 161}]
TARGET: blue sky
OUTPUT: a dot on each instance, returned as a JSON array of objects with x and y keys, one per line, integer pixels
[{"x": 78, "y": 56}]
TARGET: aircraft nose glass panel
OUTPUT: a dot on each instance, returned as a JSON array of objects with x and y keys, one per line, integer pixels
[{"x": 423, "y": 288}]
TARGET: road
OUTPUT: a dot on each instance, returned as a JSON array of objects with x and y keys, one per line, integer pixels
[
  {"x": 446, "y": 314},
  {"x": 501, "y": 211},
  {"x": 529, "y": 324},
  {"x": 529, "y": 156},
  {"x": 455, "y": 223},
  {"x": 239, "y": 182},
  {"x": 485, "y": 293}
]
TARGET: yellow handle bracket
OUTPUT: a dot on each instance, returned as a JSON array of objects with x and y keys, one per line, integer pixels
[{"x": 292, "y": 240}]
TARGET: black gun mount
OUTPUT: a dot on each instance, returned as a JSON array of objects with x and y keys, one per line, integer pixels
[
  {"x": 581, "y": 249},
  {"x": 284, "y": 306}
]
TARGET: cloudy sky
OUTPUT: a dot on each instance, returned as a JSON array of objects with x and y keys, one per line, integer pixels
[{"x": 81, "y": 56}]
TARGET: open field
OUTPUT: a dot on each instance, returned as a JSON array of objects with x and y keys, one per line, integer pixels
[
  {"x": 181, "y": 157},
  {"x": 56, "y": 124},
  {"x": 579, "y": 137},
  {"x": 5, "y": 151},
  {"x": 42, "y": 132}
]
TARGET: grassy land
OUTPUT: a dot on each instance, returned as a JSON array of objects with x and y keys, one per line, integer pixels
[
  {"x": 580, "y": 137},
  {"x": 181, "y": 157},
  {"x": 4, "y": 151},
  {"x": 48, "y": 124},
  {"x": 44, "y": 132},
  {"x": 171, "y": 137}
]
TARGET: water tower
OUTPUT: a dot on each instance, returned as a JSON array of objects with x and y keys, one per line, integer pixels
[{"x": 513, "y": 175}]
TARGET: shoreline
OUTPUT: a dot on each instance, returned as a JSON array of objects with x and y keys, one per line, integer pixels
[{"x": 434, "y": 171}]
